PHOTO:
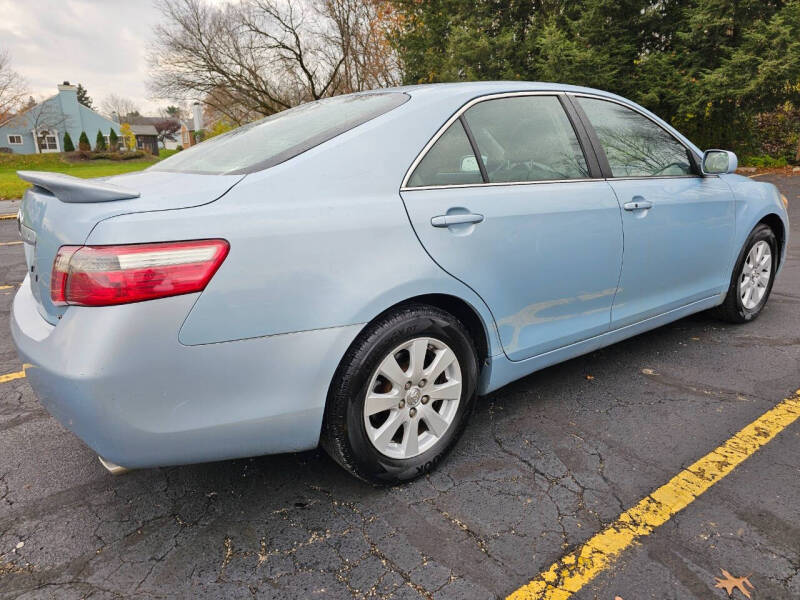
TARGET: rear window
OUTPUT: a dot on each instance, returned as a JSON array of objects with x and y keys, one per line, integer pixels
[{"x": 279, "y": 137}]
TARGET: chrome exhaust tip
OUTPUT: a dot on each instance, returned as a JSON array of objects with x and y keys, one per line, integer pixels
[{"x": 111, "y": 467}]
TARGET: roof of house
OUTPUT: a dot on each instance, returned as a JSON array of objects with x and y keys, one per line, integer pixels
[{"x": 143, "y": 129}]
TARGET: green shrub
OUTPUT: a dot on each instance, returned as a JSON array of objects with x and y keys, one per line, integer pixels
[
  {"x": 764, "y": 161},
  {"x": 68, "y": 145},
  {"x": 83, "y": 143},
  {"x": 100, "y": 142},
  {"x": 113, "y": 141},
  {"x": 117, "y": 155},
  {"x": 178, "y": 147}
]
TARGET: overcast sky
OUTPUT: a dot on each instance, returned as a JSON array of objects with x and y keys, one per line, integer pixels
[{"x": 99, "y": 43}]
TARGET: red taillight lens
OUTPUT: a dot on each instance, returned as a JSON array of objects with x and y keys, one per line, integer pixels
[{"x": 105, "y": 275}]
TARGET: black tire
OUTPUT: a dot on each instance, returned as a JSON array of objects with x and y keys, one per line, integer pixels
[
  {"x": 732, "y": 310},
  {"x": 344, "y": 434}
]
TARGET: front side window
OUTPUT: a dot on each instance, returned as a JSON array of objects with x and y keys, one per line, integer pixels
[
  {"x": 634, "y": 145},
  {"x": 279, "y": 137},
  {"x": 450, "y": 161},
  {"x": 15, "y": 140},
  {"x": 526, "y": 138}
]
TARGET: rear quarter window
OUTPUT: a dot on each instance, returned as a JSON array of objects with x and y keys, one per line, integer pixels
[{"x": 279, "y": 137}]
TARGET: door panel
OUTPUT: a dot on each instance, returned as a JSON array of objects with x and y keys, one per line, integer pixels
[
  {"x": 678, "y": 226},
  {"x": 675, "y": 252},
  {"x": 545, "y": 258}
]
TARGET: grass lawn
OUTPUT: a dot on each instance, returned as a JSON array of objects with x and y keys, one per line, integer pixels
[{"x": 12, "y": 187}]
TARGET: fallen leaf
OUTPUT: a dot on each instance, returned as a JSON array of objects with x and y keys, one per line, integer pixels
[
  {"x": 589, "y": 377},
  {"x": 731, "y": 583},
  {"x": 648, "y": 371}
]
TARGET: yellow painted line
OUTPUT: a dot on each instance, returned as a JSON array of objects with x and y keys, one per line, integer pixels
[
  {"x": 12, "y": 376},
  {"x": 4, "y": 217},
  {"x": 10, "y": 243},
  {"x": 576, "y": 569}
]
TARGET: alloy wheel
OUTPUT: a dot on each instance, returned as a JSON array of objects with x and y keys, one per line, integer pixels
[
  {"x": 412, "y": 398},
  {"x": 756, "y": 274}
]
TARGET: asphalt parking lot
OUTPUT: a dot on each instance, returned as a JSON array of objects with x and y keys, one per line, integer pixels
[{"x": 546, "y": 463}]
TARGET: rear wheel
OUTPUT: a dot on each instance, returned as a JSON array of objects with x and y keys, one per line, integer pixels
[
  {"x": 752, "y": 278},
  {"x": 402, "y": 395}
]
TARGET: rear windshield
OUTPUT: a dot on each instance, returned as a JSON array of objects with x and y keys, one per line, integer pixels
[{"x": 281, "y": 136}]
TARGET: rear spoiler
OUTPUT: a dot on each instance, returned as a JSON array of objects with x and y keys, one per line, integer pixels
[{"x": 74, "y": 189}]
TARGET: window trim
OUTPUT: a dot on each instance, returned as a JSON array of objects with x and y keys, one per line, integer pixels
[
  {"x": 404, "y": 187},
  {"x": 605, "y": 166},
  {"x": 21, "y": 142}
]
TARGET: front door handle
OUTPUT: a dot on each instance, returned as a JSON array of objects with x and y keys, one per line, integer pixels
[
  {"x": 638, "y": 203},
  {"x": 448, "y": 220}
]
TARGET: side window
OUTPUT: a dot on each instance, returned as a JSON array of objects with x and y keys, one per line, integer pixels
[
  {"x": 634, "y": 145},
  {"x": 526, "y": 138},
  {"x": 450, "y": 161}
]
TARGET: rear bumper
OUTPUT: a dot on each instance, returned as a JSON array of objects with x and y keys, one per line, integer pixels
[{"x": 121, "y": 381}]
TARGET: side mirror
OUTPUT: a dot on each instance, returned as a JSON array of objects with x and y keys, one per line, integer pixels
[
  {"x": 469, "y": 164},
  {"x": 716, "y": 162}
]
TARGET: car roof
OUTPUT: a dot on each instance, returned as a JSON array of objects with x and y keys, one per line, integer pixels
[
  {"x": 479, "y": 88},
  {"x": 466, "y": 90}
]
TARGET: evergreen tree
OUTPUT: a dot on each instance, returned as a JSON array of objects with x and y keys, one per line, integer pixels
[
  {"x": 100, "y": 142},
  {"x": 68, "y": 145},
  {"x": 83, "y": 143},
  {"x": 706, "y": 66},
  {"x": 83, "y": 97},
  {"x": 113, "y": 140}
]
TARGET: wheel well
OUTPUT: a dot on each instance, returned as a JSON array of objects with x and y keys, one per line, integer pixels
[
  {"x": 463, "y": 312},
  {"x": 774, "y": 222}
]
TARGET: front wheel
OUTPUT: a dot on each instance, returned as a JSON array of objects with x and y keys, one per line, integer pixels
[
  {"x": 752, "y": 278},
  {"x": 402, "y": 395}
]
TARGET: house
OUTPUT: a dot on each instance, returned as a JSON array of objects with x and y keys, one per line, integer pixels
[
  {"x": 145, "y": 126},
  {"x": 41, "y": 127},
  {"x": 189, "y": 129},
  {"x": 146, "y": 138}
]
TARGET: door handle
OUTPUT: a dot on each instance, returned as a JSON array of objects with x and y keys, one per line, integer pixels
[
  {"x": 638, "y": 203},
  {"x": 448, "y": 220}
]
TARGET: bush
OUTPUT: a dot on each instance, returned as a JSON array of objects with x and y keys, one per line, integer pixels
[
  {"x": 68, "y": 145},
  {"x": 117, "y": 155},
  {"x": 764, "y": 161},
  {"x": 178, "y": 147},
  {"x": 100, "y": 142},
  {"x": 83, "y": 143},
  {"x": 778, "y": 133},
  {"x": 113, "y": 141}
]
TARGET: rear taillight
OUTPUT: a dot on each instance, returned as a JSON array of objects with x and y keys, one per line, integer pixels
[{"x": 105, "y": 275}]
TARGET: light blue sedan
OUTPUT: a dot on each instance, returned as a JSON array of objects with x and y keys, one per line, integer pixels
[{"x": 358, "y": 270}]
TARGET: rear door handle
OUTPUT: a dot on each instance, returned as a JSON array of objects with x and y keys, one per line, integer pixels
[
  {"x": 638, "y": 203},
  {"x": 447, "y": 220}
]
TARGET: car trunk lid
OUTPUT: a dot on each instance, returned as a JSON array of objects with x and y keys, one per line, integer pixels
[{"x": 62, "y": 210}]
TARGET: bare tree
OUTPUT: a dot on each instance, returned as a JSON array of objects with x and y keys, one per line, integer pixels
[
  {"x": 13, "y": 88},
  {"x": 117, "y": 104},
  {"x": 262, "y": 56}
]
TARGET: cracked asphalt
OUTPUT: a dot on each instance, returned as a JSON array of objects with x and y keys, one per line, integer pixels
[{"x": 545, "y": 463}]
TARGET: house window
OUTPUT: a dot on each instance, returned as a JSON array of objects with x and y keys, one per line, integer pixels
[
  {"x": 15, "y": 140},
  {"x": 139, "y": 143},
  {"x": 48, "y": 142}
]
